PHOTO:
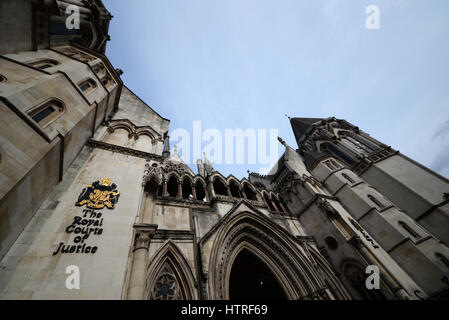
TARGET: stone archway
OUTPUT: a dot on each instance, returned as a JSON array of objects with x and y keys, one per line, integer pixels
[{"x": 282, "y": 256}]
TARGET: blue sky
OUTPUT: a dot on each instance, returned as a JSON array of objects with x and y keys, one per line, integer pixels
[{"x": 244, "y": 64}]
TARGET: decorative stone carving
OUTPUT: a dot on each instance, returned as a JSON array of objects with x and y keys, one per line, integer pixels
[
  {"x": 144, "y": 234},
  {"x": 142, "y": 240},
  {"x": 166, "y": 286},
  {"x": 326, "y": 207},
  {"x": 178, "y": 168}
]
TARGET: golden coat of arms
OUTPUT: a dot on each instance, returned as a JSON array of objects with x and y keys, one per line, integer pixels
[{"x": 97, "y": 196}]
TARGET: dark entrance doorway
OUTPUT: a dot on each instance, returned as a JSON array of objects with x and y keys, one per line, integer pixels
[{"x": 251, "y": 279}]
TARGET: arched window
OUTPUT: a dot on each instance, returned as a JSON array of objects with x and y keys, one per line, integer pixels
[
  {"x": 332, "y": 164},
  {"x": 335, "y": 151},
  {"x": 220, "y": 187},
  {"x": 84, "y": 57},
  {"x": 107, "y": 81},
  {"x": 99, "y": 69},
  {"x": 234, "y": 188},
  {"x": 200, "y": 191},
  {"x": 356, "y": 145},
  {"x": 69, "y": 52},
  {"x": 87, "y": 85},
  {"x": 187, "y": 189},
  {"x": 348, "y": 178},
  {"x": 268, "y": 201},
  {"x": 409, "y": 230},
  {"x": 44, "y": 63},
  {"x": 335, "y": 163},
  {"x": 250, "y": 194},
  {"x": 379, "y": 204},
  {"x": 47, "y": 112},
  {"x": 152, "y": 187},
  {"x": 172, "y": 187},
  {"x": 442, "y": 259}
]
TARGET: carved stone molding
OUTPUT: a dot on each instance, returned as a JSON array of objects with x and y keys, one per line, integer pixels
[
  {"x": 123, "y": 150},
  {"x": 144, "y": 234},
  {"x": 326, "y": 207}
]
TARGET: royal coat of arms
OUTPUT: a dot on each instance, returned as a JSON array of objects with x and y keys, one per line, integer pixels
[{"x": 97, "y": 196}]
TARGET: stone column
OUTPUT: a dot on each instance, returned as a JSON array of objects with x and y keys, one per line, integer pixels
[
  {"x": 229, "y": 192},
  {"x": 274, "y": 206},
  {"x": 137, "y": 281},
  {"x": 194, "y": 192},
  {"x": 243, "y": 194},
  {"x": 179, "y": 189},
  {"x": 282, "y": 206},
  {"x": 211, "y": 190},
  {"x": 164, "y": 189}
]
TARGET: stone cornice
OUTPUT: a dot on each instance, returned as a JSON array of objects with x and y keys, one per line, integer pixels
[
  {"x": 181, "y": 202},
  {"x": 123, "y": 150}
]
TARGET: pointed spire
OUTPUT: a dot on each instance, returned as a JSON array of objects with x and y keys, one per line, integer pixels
[
  {"x": 282, "y": 141},
  {"x": 207, "y": 164},
  {"x": 301, "y": 125},
  {"x": 200, "y": 166}
]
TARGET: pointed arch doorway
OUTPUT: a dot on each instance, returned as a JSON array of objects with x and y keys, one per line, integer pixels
[{"x": 251, "y": 279}]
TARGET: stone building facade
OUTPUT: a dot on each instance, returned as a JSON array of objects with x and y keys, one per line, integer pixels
[{"x": 88, "y": 180}]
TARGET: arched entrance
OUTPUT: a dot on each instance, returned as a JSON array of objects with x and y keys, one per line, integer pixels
[
  {"x": 275, "y": 255},
  {"x": 251, "y": 279}
]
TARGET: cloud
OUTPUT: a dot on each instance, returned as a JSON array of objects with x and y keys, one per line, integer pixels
[
  {"x": 441, "y": 161},
  {"x": 443, "y": 131}
]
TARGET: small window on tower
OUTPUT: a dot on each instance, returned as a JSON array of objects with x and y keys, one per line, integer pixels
[
  {"x": 348, "y": 178},
  {"x": 356, "y": 145},
  {"x": 99, "y": 69},
  {"x": 409, "y": 230},
  {"x": 44, "y": 63},
  {"x": 47, "y": 112},
  {"x": 69, "y": 52},
  {"x": 107, "y": 81},
  {"x": 442, "y": 259},
  {"x": 84, "y": 57},
  {"x": 332, "y": 164},
  {"x": 87, "y": 85},
  {"x": 379, "y": 204}
]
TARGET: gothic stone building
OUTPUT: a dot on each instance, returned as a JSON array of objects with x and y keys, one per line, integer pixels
[{"x": 87, "y": 179}]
